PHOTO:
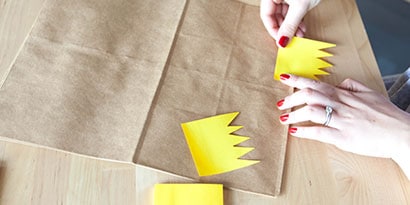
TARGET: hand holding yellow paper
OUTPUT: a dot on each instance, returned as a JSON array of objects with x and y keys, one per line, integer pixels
[
  {"x": 302, "y": 57},
  {"x": 188, "y": 194},
  {"x": 212, "y": 144}
]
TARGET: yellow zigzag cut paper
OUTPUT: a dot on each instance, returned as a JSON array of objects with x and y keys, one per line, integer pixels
[
  {"x": 212, "y": 144},
  {"x": 188, "y": 194},
  {"x": 302, "y": 57}
]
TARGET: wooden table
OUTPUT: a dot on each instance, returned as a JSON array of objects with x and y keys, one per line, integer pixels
[{"x": 315, "y": 173}]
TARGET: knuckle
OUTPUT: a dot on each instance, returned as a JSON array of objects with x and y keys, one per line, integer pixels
[
  {"x": 347, "y": 84},
  {"x": 347, "y": 80},
  {"x": 310, "y": 110},
  {"x": 315, "y": 131},
  {"x": 316, "y": 82},
  {"x": 308, "y": 92}
]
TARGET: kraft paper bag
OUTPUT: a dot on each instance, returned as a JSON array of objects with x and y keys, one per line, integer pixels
[
  {"x": 114, "y": 79},
  {"x": 85, "y": 78}
]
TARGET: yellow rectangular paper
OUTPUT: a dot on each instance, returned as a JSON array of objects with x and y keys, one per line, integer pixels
[{"x": 188, "y": 194}]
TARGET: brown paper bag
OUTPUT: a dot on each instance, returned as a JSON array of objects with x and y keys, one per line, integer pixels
[{"x": 114, "y": 79}]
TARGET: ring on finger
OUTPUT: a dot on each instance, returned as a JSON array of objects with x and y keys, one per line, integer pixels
[{"x": 329, "y": 111}]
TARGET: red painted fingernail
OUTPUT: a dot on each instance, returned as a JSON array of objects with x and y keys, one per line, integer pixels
[
  {"x": 283, "y": 41},
  {"x": 292, "y": 130},
  {"x": 280, "y": 102},
  {"x": 284, "y": 76},
  {"x": 284, "y": 117}
]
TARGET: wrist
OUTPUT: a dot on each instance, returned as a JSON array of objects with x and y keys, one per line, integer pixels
[{"x": 402, "y": 153}]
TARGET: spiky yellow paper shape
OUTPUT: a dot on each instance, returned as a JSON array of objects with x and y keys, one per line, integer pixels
[
  {"x": 188, "y": 194},
  {"x": 212, "y": 144},
  {"x": 302, "y": 57}
]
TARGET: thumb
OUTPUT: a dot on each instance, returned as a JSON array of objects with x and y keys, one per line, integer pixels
[
  {"x": 352, "y": 85},
  {"x": 293, "y": 18}
]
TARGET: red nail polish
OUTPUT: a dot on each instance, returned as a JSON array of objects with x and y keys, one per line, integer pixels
[
  {"x": 283, "y": 41},
  {"x": 284, "y": 76},
  {"x": 284, "y": 117},
  {"x": 292, "y": 130},
  {"x": 280, "y": 102}
]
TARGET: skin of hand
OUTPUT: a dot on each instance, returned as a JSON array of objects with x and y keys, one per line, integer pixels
[
  {"x": 363, "y": 121},
  {"x": 284, "y": 20}
]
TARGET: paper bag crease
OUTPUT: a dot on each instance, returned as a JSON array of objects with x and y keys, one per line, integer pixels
[{"x": 114, "y": 79}]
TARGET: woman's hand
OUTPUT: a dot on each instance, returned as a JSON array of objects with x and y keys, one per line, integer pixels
[
  {"x": 283, "y": 20},
  {"x": 363, "y": 121}
]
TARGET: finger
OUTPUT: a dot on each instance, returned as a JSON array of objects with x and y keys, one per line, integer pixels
[
  {"x": 293, "y": 18},
  {"x": 267, "y": 8},
  {"x": 299, "y": 33},
  {"x": 302, "y": 26},
  {"x": 278, "y": 8},
  {"x": 267, "y": 14},
  {"x": 352, "y": 85},
  {"x": 312, "y": 113},
  {"x": 319, "y": 133},
  {"x": 279, "y": 13},
  {"x": 307, "y": 96},
  {"x": 284, "y": 10},
  {"x": 279, "y": 19},
  {"x": 301, "y": 83}
]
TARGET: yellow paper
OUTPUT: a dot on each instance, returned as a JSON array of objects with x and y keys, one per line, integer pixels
[
  {"x": 212, "y": 144},
  {"x": 302, "y": 57},
  {"x": 188, "y": 194}
]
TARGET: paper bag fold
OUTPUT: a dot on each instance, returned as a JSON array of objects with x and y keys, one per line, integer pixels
[{"x": 114, "y": 79}]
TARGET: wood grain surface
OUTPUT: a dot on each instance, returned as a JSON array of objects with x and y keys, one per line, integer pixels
[{"x": 314, "y": 173}]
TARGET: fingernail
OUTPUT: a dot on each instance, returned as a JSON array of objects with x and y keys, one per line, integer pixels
[
  {"x": 284, "y": 117},
  {"x": 283, "y": 41},
  {"x": 284, "y": 76},
  {"x": 292, "y": 130},
  {"x": 280, "y": 102}
]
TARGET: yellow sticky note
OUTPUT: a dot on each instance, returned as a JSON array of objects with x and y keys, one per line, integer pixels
[
  {"x": 188, "y": 194},
  {"x": 212, "y": 144},
  {"x": 302, "y": 57}
]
